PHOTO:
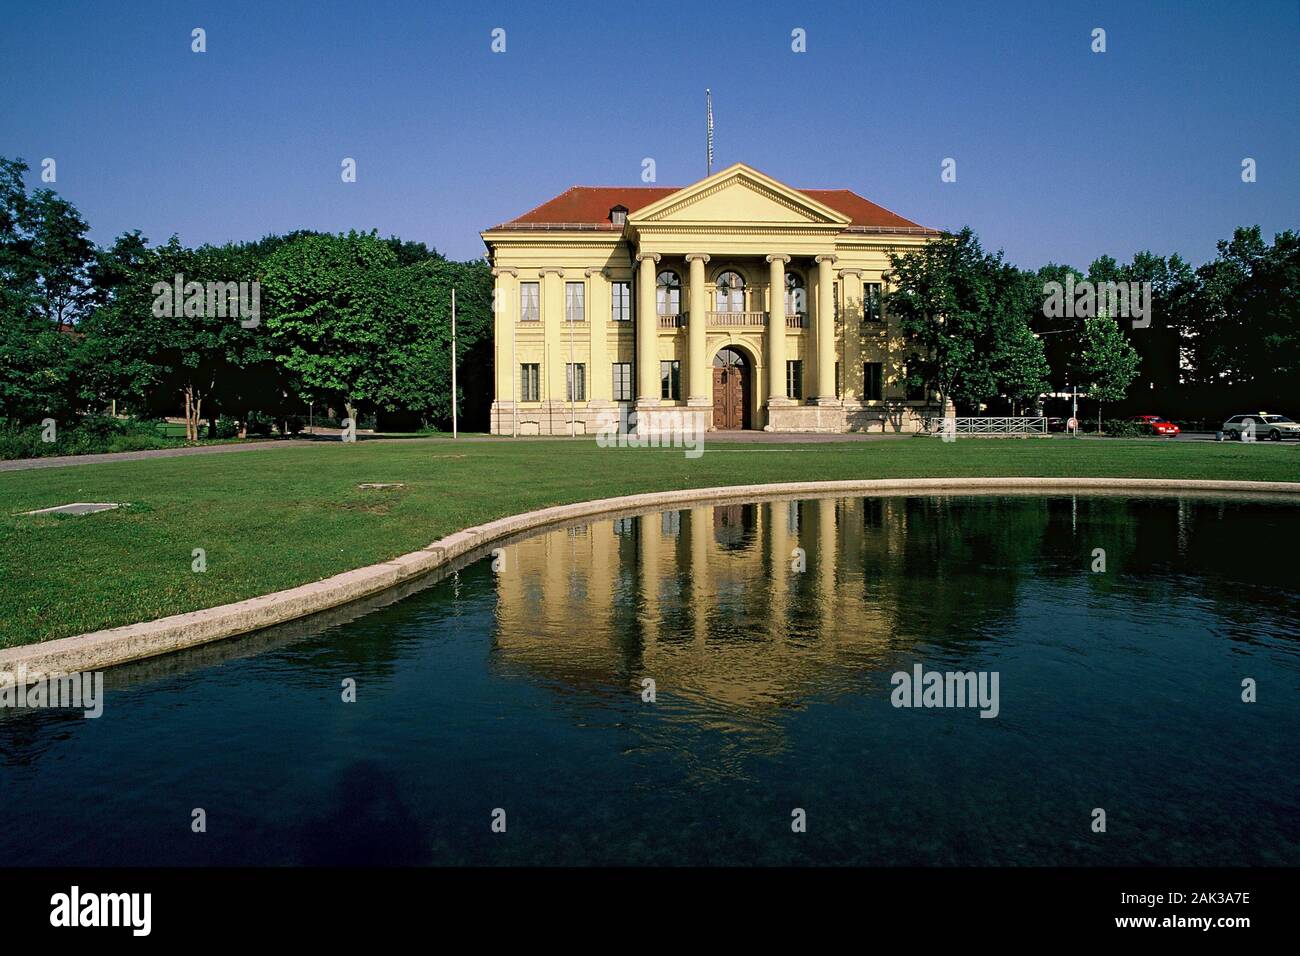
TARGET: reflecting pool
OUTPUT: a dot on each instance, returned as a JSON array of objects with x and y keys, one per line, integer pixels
[{"x": 768, "y": 635}]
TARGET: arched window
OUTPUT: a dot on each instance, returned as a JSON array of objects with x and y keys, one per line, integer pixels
[
  {"x": 730, "y": 292},
  {"x": 668, "y": 293},
  {"x": 728, "y": 358},
  {"x": 796, "y": 296}
]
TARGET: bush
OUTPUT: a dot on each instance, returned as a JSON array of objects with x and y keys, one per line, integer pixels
[
  {"x": 225, "y": 427},
  {"x": 260, "y": 423},
  {"x": 1123, "y": 428},
  {"x": 93, "y": 435}
]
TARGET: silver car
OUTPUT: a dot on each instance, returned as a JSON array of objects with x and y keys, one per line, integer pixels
[{"x": 1260, "y": 426}]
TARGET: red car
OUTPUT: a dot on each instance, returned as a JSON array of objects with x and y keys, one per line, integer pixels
[{"x": 1159, "y": 425}]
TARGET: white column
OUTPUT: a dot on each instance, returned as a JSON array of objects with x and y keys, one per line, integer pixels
[
  {"x": 776, "y": 330},
  {"x": 647, "y": 331},
  {"x": 825, "y": 338},
  {"x": 699, "y": 391},
  {"x": 851, "y": 291}
]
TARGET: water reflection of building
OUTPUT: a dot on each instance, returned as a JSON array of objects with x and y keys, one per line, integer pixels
[{"x": 711, "y": 601}]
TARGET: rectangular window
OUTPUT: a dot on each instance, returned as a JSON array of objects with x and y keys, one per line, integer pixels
[
  {"x": 915, "y": 391},
  {"x": 530, "y": 382},
  {"x": 794, "y": 379},
  {"x": 835, "y": 300},
  {"x": 622, "y": 381},
  {"x": 530, "y": 302},
  {"x": 670, "y": 380},
  {"x": 621, "y": 309},
  {"x": 668, "y": 300},
  {"x": 576, "y": 382},
  {"x": 871, "y": 302},
  {"x": 873, "y": 381},
  {"x": 575, "y": 302}
]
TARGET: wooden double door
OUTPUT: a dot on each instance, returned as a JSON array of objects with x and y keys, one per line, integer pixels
[{"x": 731, "y": 385}]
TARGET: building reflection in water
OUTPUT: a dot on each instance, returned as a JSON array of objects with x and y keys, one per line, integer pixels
[{"x": 747, "y": 606}]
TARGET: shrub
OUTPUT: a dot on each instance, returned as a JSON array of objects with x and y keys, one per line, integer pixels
[
  {"x": 93, "y": 435},
  {"x": 225, "y": 427},
  {"x": 260, "y": 423},
  {"x": 1123, "y": 428}
]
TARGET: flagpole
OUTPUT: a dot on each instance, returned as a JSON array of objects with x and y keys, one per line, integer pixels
[
  {"x": 454, "y": 427},
  {"x": 708, "y": 101}
]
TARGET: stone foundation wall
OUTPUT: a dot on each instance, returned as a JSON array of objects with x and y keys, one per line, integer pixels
[
  {"x": 552, "y": 418},
  {"x": 895, "y": 419}
]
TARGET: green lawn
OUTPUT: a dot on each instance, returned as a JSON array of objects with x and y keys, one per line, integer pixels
[{"x": 274, "y": 519}]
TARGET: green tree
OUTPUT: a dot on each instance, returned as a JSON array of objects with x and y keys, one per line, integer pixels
[
  {"x": 966, "y": 314},
  {"x": 159, "y": 354},
  {"x": 366, "y": 322},
  {"x": 1241, "y": 315},
  {"x": 62, "y": 256},
  {"x": 330, "y": 320},
  {"x": 44, "y": 288},
  {"x": 1109, "y": 363}
]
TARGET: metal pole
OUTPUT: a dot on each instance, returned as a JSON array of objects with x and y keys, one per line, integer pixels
[
  {"x": 708, "y": 99},
  {"x": 453, "y": 363},
  {"x": 515, "y": 374},
  {"x": 573, "y": 374}
]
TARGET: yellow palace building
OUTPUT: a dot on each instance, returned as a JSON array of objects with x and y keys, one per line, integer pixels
[{"x": 737, "y": 302}]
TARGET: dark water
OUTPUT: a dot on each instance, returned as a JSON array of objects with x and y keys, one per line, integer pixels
[{"x": 522, "y": 689}]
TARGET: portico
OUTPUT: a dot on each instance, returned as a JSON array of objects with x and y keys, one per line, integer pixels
[{"x": 672, "y": 300}]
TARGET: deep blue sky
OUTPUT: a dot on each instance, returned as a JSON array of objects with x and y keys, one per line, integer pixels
[{"x": 1062, "y": 154}]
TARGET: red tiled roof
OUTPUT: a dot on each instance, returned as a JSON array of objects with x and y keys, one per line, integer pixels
[{"x": 589, "y": 206}]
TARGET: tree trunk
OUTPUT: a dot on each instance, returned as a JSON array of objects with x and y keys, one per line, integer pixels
[{"x": 187, "y": 414}]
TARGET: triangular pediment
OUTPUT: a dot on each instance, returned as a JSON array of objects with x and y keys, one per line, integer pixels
[{"x": 740, "y": 195}]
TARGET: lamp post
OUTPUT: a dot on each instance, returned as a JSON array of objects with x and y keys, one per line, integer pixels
[{"x": 454, "y": 432}]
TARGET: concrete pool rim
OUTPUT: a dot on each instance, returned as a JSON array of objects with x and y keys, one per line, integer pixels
[{"x": 96, "y": 650}]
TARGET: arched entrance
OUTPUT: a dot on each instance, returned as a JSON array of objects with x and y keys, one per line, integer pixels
[{"x": 733, "y": 375}]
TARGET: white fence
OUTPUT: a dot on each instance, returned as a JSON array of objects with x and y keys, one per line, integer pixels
[{"x": 1018, "y": 425}]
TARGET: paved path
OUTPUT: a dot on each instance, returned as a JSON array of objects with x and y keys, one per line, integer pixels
[
  {"x": 733, "y": 437},
  {"x": 64, "y": 461}
]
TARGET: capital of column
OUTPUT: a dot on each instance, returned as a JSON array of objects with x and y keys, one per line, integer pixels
[
  {"x": 784, "y": 258},
  {"x": 851, "y": 272},
  {"x": 551, "y": 269},
  {"x": 829, "y": 257},
  {"x": 498, "y": 272},
  {"x": 702, "y": 256},
  {"x": 592, "y": 272},
  {"x": 653, "y": 257}
]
